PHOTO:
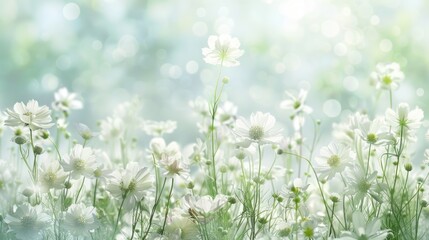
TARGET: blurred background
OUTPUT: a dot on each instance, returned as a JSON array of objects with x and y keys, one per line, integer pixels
[{"x": 109, "y": 51}]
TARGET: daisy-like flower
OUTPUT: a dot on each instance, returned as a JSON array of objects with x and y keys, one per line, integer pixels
[
  {"x": 27, "y": 222},
  {"x": 30, "y": 115},
  {"x": 403, "y": 118},
  {"x": 222, "y": 50},
  {"x": 198, "y": 151},
  {"x": 201, "y": 207},
  {"x": 79, "y": 220},
  {"x": 226, "y": 113},
  {"x": 333, "y": 159},
  {"x": 363, "y": 229},
  {"x": 66, "y": 101},
  {"x": 259, "y": 129},
  {"x": 160, "y": 149},
  {"x": 156, "y": 129},
  {"x": 51, "y": 176},
  {"x": 387, "y": 76},
  {"x": 111, "y": 128},
  {"x": 361, "y": 185},
  {"x": 180, "y": 227},
  {"x": 85, "y": 132},
  {"x": 375, "y": 132},
  {"x": 200, "y": 106},
  {"x": 296, "y": 103},
  {"x": 173, "y": 165},
  {"x": 81, "y": 162},
  {"x": 131, "y": 183}
]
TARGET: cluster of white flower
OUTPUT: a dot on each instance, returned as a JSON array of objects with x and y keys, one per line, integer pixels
[{"x": 243, "y": 179}]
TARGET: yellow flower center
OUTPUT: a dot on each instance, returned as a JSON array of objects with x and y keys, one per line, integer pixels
[
  {"x": 256, "y": 133},
  {"x": 334, "y": 161}
]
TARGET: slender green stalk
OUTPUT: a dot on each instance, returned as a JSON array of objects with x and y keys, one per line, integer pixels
[
  {"x": 168, "y": 205},
  {"x": 95, "y": 192},
  {"x": 124, "y": 196},
  {"x": 157, "y": 200},
  {"x": 80, "y": 189}
]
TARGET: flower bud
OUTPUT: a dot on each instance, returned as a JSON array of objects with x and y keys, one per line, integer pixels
[
  {"x": 190, "y": 185},
  {"x": 408, "y": 167},
  {"x": 28, "y": 192},
  {"x": 38, "y": 150},
  {"x": 232, "y": 200},
  {"x": 67, "y": 185},
  {"x": 225, "y": 80},
  {"x": 20, "y": 140}
]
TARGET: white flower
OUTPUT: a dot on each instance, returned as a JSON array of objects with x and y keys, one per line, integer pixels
[
  {"x": 160, "y": 149},
  {"x": 51, "y": 175},
  {"x": 29, "y": 115},
  {"x": 27, "y": 222},
  {"x": 130, "y": 183},
  {"x": 203, "y": 206},
  {"x": 387, "y": 76},
  {"x": 111, "y": 128},
  {"x": 333, "y": 159},
  {"x": 81, "y": 162},
  {"x": 85, "y": 132},
  {"x": 226, "y": 113},
  {"x": 79, "y": 220},
  {"x": 200, "y": 106},
  {"x": 374, "y": 132},
  {"x": 296, "y": 103},
  {"x": 66, "y": 101},
  {"x": 156, "y": 129},
  {"x": 62, "y": 124},
  {"x": 223, "y": 50},
  {"x": 180, "y": 227},
  {"x": 403, "y": 118},
  {"x": 363, "y": 229},
  {"x": 259, "y": 129},
  {"x": 360, "y": 185},
  {"x": 173, "y": 165}
]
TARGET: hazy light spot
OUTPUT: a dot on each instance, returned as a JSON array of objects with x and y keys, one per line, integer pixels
[
  {"x": 175, "y": 72},
  {"x": 420, "y": 92},
  {"x": 385, "y": 45},
  {"x": 355, "y": 57},
  {"x": 330, "y": 28},
  {"x": 97, "y": 45},
  {"x": 199, "y": 28},
  {"x": 207, "y": 76},
  {"x": 201, "y": 12},
  {"x": 280, "y": 68},
  {"x": 223, "y": 11},
  {"x": 49, "y": 82},
  {"x": 128, "y": 45},
  {"x": 340, "y": 49},
  {"x": 63, "y": 62},
  {"x": 192, "y": 67},
  {"x": 350, "y": 83},
  {"x": 71, "y": 11},
  {"x": 164, "y": 69},
  {"x": 332, "y": 108},
  {"x": 375, "y": 20},
  {"x": 352, "y": 37}
]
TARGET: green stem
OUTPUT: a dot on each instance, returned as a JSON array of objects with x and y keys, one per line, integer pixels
[
  {"x": 157, "y": 199},
  {"x": 95, "y": 192},
  {"x": 80, "y": 189},
  {"x": 124, "y": 196},
  {"x": 168, "y": 206}
]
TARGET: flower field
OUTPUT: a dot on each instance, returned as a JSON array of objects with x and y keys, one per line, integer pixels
[
  {"x": 237, "y": 181},
  {"x": 358, "y": 173}
]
